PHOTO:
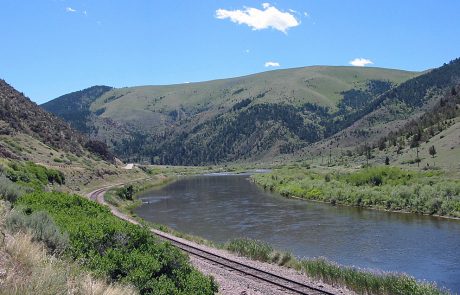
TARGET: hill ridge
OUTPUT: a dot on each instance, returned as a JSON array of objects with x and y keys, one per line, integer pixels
[{"x": 254, "y": 117}]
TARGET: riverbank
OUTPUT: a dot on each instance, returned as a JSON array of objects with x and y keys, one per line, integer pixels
[
  {"x": 381, "y": 188},
  {"x": 228, "y": 281},
  {"x": 324, "y": 270}
]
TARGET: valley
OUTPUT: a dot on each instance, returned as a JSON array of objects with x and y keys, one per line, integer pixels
[
  {"x": 333, "y": 142},
  {"x": 230, "y": 147}
]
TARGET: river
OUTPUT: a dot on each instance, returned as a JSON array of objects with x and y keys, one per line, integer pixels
[{"x": 220, "y": 208}]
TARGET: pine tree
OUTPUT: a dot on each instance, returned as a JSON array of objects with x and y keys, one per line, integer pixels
[
  {"x": 387, "y": 160},
  {"x": 432, "y": 151}
]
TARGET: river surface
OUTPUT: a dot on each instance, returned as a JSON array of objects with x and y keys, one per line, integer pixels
[{"x": 220, "y": 208}]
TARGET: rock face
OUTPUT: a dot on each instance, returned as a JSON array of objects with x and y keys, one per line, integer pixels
[{"x": 18, "y": 114}]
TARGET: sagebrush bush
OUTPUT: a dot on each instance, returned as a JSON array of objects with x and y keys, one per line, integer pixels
[
  {"x": 41, "y": 227},
  {"x": 10, "y": 191}
]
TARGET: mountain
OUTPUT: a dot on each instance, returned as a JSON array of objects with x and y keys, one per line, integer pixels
[
  {"x": 19, "y": 115},
  {"x": 253, "y": 117},
  {"x": 74, "y": 107},
  {"x": 395, "y": 109}
]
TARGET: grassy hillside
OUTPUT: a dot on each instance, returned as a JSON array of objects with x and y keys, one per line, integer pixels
[
  {"x": 251, "y": 117},
  {"x": 320, "y": 85}
]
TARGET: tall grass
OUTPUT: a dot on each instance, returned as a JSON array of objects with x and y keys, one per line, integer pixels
[
  {"x": 259, "y": 250},
  {"x": 358, "y": 280},
  {"x": 253, "y": 249},
  {"x": 29, "y": 270},
  {"x": 367, "y": 282}
]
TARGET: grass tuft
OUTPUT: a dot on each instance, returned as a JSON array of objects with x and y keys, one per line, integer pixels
[{"x": 358, "y": 280}]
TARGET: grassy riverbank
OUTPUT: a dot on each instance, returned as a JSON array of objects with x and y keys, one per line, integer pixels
[
  {"x": 125, "y": 197},
  {"x": 359, "y": 280},
  {"x": 381, "y": 187}
]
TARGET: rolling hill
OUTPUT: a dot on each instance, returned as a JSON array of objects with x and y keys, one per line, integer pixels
[{"x": 253, "y": 117}]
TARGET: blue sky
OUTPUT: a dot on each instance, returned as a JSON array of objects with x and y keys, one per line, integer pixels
[{"x": 52, "y": 47}]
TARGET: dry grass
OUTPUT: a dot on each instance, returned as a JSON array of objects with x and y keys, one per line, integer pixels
[{"x": 26, "y": 268}]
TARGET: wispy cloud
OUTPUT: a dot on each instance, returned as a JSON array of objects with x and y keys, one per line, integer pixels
[
  {"x": 272, "y": 64},
  {"x": 70, "y": 9},
  {"x": 361, "y": 62},
  {"x": 269, "y": 17}
]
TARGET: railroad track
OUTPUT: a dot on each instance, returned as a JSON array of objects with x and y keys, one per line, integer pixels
[{"x": 246, "y": 270}]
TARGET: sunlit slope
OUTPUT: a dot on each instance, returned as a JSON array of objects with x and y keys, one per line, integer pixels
[
  {"x": 246, "y": 118},
  {"x": 155, "y": 106}
]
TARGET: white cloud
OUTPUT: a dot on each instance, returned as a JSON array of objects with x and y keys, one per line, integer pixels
[
  {"x": 70, "y": 9},
  {"x": 247, "y": 50},
  {"x": 361, "y": 62},
  {"x": 258, "y": 19},
  {"x": 84, "y": 12},
  {"x": 306, "y": 14},
  {"x": 272, "y": 64}
]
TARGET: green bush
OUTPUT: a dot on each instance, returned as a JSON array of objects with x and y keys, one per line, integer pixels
[
  {"x": 33, "y": 175},
  {"x": 116, "y": 249},
  {"x": 126, "y": 192},
  {"x": 41, "y": 227},
  {"x": 385, "y": 188}
]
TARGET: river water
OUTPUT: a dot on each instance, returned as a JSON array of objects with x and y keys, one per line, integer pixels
[{"x": 220, "y": 208}]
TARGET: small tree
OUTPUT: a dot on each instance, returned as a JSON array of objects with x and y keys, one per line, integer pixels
[
  {"x": 387, "y": 161},
  {"x": 432, "y": 151}
]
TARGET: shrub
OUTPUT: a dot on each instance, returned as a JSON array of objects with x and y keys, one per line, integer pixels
[
  {"x": 126, "y": 192},
  {"x": 381, "y": 187},
  {"x": 9, "y": 190},
  {"x": 34, "y": 175},
  {"x": 116, "y": 249},
  {"x": 41, "y": 227}
]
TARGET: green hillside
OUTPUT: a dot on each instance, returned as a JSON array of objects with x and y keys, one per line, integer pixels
[
  {"x": 157, "y": 105},
  {"x": 251, "y": 117}
]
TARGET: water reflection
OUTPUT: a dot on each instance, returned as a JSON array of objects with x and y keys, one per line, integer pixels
[{"x": 220, "y": 208}]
